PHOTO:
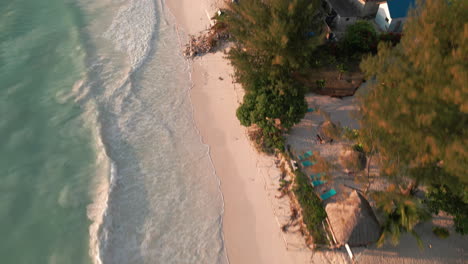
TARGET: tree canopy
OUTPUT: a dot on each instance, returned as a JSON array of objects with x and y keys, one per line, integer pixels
[
  {"x": 274, "y": 35},
  {"x": 415, "y": 109},
  {"x": 401, "y": 213},
  {"x": 273, "y": 39},
  {"x": 417, "y": 106},
  {"x": 440, "y": 197}
]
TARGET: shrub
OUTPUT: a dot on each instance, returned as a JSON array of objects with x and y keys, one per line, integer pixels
[
  {"x": 312, "y": 209},
  {"x": 360, "y": 37},
  {"x": 358, "y": 148},
  {"x": 266, "y": 141},
  {"x": 350, "y": 134},
  {"x": 441, "y": 197},
  {"x": 393, "y": 38},
  {"x": 320, "y": 84},
  {"x": 440, "y": 232}
]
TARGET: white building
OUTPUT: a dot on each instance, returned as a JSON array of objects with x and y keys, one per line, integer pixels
[
  {"x": 342, "y": 13},
  {"x": 392, "y": 14}
]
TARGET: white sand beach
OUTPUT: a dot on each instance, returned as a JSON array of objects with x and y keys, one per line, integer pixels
[{"x": 253, "y": 216}]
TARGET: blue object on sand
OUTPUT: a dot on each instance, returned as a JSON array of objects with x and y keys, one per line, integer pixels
[
  {"x": 317, "y": 183},
  {"x": 317, "y": 176},
  {"x": 310, "y": 110},
  {"x": 328, "y": 194},
  {"x": 306, "y": 155},
  {"x": 307, "y": 163}
]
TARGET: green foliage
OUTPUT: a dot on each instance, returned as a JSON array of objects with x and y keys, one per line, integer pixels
[
  {"x": 267, "y": 140},
  {"x": 415, "y": 113},
  {"x": 440, "y": 197},
  {"x": 440, "y": 232},
  {"x": 416, "y": 116},
  {"x": 263, "y": 106},
  {"x": 350, "y": 134},
  {"x": 393, "y": 38},
  {"x": 272, "y": 41},
  {"x": 312, "y": 208},
  {"x": 401, "y": 214},
  {"x": 358, "y": 147},
  {"x": 276, "y": 32},
  {"x": 320, "y": 84},
  {"x": 360, "y": 37}
]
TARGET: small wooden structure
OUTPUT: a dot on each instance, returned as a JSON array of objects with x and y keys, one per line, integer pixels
[
  {"x": 338, "y": 92},
  {"x": 332, "y": 82}
]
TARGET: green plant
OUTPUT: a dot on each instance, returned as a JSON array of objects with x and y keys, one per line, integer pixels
[
  {"x": 312, "y": 208},
  {"x": 320, "y": 84},
  {"x": 440, "y": 232},
  {"x": 358, "y": 147},
  {"x": 393, "y": 38},
  {"x": 415, "y": 113},
  {"x": 360, "y": 37},
  {"x": 341, "y": 69},
  {"x": 267, "y": 140},
  {"x": 401, "y": 213},
  {"x": 441, "y": 197},
  {"x": 350, "y": 134},
  {"x": 272, "y": 40}
]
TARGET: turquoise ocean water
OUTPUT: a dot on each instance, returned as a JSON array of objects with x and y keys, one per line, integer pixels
[
  {"x": 46, "y": 157},
  {"x": 100, "y": 160}
]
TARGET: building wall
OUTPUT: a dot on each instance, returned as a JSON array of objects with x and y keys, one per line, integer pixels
[
  {"x": 342, "y": 23},
  {"x": 397, "y": 24},
  {"x": 383, "y": 18}
]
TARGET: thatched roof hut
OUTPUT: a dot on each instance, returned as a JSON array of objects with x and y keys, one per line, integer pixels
[{"x": 353, "y": 221}]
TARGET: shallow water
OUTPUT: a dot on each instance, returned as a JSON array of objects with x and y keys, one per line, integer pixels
[{"x": 101, "y": 160}]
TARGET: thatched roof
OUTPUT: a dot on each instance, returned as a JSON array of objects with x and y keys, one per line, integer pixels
[{"x": 353, "y": 221}]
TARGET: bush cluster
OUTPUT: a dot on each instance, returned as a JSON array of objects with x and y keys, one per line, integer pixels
[
  {"x": 312, "y": 208},
  {"x": 360, "y": 37}
]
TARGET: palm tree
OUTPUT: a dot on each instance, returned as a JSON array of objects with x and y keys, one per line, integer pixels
[{"x": 401, "y": 213}]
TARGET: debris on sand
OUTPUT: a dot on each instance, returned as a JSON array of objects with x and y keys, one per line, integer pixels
[{"x": 207, "y": 41}]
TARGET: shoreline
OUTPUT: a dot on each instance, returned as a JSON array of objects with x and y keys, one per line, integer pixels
[{"x": 251, "y": 228}]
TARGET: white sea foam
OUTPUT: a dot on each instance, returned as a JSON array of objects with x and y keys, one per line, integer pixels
[
  {"x": 158, "y": 200},
  {"x": 132, "y": 30},
  {"x": 100, "y": 191}
]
